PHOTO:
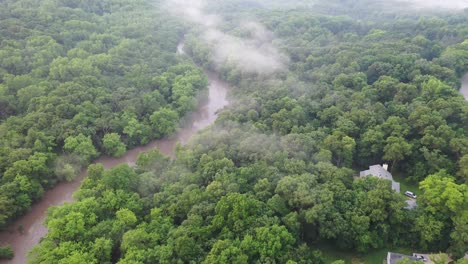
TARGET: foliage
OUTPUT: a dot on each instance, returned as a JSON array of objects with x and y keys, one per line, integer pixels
[
  {"x": 274, "y": 176},
  {"x": 78, "y": 79},
  {"x": 113, "y": 145},
  {"x": 6, "y": 252}
]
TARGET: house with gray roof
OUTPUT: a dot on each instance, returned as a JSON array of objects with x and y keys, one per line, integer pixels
[
  {"x": 381, "y": 172},
  {"x": 393, "y": 258}
]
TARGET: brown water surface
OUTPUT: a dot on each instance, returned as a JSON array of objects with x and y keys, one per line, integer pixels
[{"x": 31, "y": 223}]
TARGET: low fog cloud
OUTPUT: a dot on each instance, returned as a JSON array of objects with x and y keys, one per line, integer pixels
[
  {"x": 447, "y": 4},
  {"x": 254, "y": 53}
]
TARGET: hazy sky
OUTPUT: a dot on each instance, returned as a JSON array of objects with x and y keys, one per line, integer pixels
[{"x": 451, "y": 4}]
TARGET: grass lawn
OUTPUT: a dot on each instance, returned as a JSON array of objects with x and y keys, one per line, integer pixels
[
  {"x": 374, "y": 257},
  {"x": 406, "y": 185}
]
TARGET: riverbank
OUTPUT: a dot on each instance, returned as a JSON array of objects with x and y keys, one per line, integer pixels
[{"x": 27, "y": 231}]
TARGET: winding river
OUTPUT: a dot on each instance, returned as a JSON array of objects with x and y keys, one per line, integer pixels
[{"x": 32, "y": 225}]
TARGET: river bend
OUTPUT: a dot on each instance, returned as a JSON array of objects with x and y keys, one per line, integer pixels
[{"x": 31, "y": 223}]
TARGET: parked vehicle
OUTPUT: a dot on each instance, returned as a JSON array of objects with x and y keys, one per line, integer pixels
[
  {"x": 410, "y": 194},
  {"x": 420, "y": 257}
]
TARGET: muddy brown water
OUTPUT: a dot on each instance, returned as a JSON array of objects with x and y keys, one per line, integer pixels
[{"x": 31, "y": 223}]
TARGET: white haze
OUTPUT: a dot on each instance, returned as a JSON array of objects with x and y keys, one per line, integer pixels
[
  {"x": 254, "y": 53},
  {"x": 430, "y": 4}
]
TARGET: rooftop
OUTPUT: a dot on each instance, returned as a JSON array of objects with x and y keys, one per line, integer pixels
[
  {"x": 381, "y": 172},
  {"x": 393, "y": 258}
]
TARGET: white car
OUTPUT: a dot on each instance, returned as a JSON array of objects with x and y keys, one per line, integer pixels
[
  {"x": 420, "y": 257},
  {"x": 410, "y": 194}
]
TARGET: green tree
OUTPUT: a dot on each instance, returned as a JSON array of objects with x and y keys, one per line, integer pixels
[
  {"x": 164, "y": 121},
  {"x": 67, "y": 167},
  {"x": 463, "y": 164},
  {"x": 459, "y": 237},
  {"x": 342, "y": 147},
  {"x": 113, "y": 145},
  {"x": 440, "y": 258},
  {"x": 396, "y": 149},
  {"x": 6, "y": 252},
  {"x": 442, "y": 195},
  {"x": 82, "y": 146}
]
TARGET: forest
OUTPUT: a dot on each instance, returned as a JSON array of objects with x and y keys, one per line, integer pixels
[
  {"x": 320, "y": 91},
  {"x": 80, "y": 79}
]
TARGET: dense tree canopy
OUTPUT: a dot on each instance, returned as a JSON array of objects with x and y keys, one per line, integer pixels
[
  {"x": 275, "y": 178},
  {"x": 78, "y": 79}
]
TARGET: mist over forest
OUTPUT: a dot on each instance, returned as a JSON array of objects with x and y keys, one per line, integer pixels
[
  {"x": 310, "y": 99},
  {"x": 254, "y": 53}
]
